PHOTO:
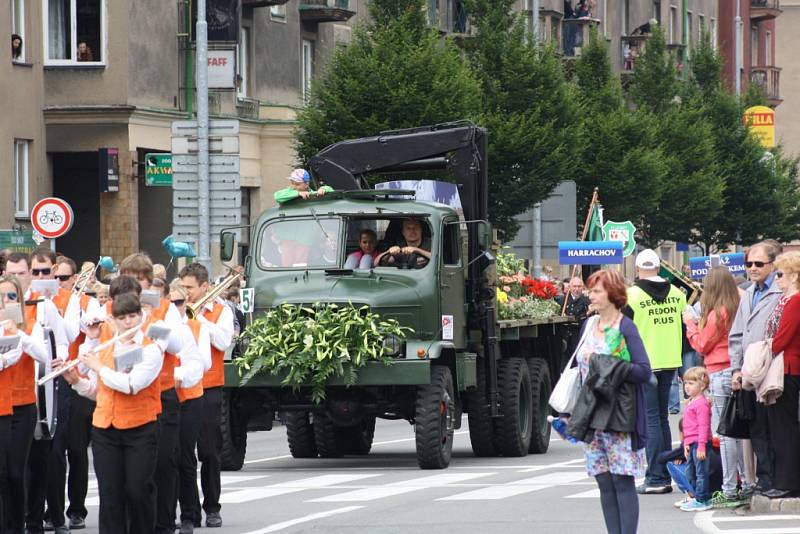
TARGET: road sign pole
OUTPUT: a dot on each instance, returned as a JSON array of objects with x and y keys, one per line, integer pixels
[{"x": 203, "y": 230}]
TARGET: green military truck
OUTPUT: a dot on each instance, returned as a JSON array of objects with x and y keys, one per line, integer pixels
[{"x": 459, "y": 357}]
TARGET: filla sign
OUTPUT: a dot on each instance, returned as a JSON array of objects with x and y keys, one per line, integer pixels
[{"x": 761, "y": 121}]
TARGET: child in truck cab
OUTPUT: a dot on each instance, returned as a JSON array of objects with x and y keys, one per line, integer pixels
[
  {"x": 411, "y": 251},
  {"x": 362, "y": 258},
  {"x": 299, "y": 187}
]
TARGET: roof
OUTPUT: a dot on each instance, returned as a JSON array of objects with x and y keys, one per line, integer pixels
[{"x": 339, "y": 203}]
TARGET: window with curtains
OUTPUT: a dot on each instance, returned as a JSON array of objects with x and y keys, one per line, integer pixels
[
  {"x": 18, "y": 30},
  {"x": 21, "y": 179},
  {"x": 74, "y": 32}
]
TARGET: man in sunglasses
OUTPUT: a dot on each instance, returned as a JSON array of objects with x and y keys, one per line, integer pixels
[{"x": 749, "y": 326}]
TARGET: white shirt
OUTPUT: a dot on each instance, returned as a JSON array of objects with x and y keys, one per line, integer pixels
[
  {"x": 48, "y": 316},
  {"x": 195, "y": 356},
  {"x": 93, "y": 312},
  {"x": 33, "y": 345},
  {"x": 141, "y": 376},
  {"x": 221, "y": 332}
]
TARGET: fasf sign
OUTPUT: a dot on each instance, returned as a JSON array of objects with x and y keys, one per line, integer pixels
[
  {"x": 221, "y": 69},
  {"x": 761, "y": 121},
  {"x": 590, "y": 252},
  {"x": 700, "y": 266}
]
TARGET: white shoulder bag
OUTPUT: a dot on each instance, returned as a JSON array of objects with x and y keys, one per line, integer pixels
[{"x": 565, "y": 393}]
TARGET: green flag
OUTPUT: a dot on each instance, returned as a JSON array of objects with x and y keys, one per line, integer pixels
[{"x": 595, "y": 231}]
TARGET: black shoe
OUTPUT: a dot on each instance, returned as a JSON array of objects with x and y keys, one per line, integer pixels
[
  {"x": 777, "y": 494},
  {"x": 63, "y": 529},
  {"x": 48, "y": 526},
  {"x": 644, "y": 489},
  {"x": 213, "y": 520},
  {"x": 187, "y": 527},
  {"x": 76, "y": 522}
]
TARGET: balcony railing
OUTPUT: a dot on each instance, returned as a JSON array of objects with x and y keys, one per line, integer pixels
[
  {"x": 325, "y": 10},
  {"x": 764, "y": 9},
  {"x": 768, "y": 80},
  {"x": 263, "y": 3},
  {"x": 576, "y": 34},
  {"x": 632, "y": 49}
]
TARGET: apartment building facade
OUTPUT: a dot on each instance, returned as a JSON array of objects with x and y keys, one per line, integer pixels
[
  {"x": 787, "y": 115},
  {"x": 100, "y": 82}
]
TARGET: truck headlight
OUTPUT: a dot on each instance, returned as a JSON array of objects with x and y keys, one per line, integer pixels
[{"x": 392, "y": 346}]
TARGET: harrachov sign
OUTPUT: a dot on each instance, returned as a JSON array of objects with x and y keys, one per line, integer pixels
[{"x": 590, "y": 252}]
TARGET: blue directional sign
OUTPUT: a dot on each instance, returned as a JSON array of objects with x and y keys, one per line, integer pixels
[
  {"x": 701, "y": 265},
  {"x": 590, "y": 252}
]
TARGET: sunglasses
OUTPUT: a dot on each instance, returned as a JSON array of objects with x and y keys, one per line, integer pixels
[
  {"x": 63, "y": 277},
  {"x": 758, "y": 264},
  {"x": 10, "y": 296},
  {"x": 46, "y": 271},
  {"x": 179, "y": 302}
]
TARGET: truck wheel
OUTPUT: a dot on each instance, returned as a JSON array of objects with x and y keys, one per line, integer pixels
[
  {"x": 325, "y": 437},
  {"x": 540, "y": 399},
  {"x": 233, "y": 425},
  {"x": 435, "y": 419},
  {"x": 481, "y": 425},
  {"x": 356, "y": 439},
  {"x": 300, "y": 435},
  {"x": 515, "y": 427}
]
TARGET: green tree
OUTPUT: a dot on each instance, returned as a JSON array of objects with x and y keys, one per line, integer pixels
[
  {"x": 655, "y": 81},
  {"x": 528, "y": 108},
  {"x": 396, "y": 73}
]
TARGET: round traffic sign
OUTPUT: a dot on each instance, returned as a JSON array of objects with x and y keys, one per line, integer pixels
[{"x": 52, "y": 217}]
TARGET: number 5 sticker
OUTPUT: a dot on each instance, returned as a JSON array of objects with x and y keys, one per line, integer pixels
[{"x": 247, "y": 297}]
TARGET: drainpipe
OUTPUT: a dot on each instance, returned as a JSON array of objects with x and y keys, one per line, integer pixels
[
  {"x": 188, "y": 73},
  {"x": 535, "y": 21},
  {"x": 739, "y": 48}
]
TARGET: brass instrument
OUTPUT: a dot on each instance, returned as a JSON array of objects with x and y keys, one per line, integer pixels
[
  {"x": 692, "y": 289},
  {"x": 84, "y": 277},
  {"x": 193, "y": 310},
  {"x": 101, "y": 347}
]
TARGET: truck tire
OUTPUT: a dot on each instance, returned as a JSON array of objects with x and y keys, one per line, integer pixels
[
  {"x": 481, "y": 425},
  {"x": 234, "y": 435},
  {"x": 300, "y": 435},
  {"x": 325, "y": 436},
  {"x": 356, "y": 439},
  {"x": 514, "y": 428},
  {"x": 434, "y": 420},
  {"x": 540, "y": 398}
]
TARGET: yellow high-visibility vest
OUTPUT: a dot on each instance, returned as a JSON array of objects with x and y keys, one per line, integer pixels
[{"x": 659, "y": 325}]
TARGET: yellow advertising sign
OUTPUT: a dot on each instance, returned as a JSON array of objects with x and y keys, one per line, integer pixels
[{"x": 761, "y": 120}]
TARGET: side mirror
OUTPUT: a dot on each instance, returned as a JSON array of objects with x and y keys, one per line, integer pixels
[
  {"x": 226, "y": 246},
  {"x": 485, "y": 260}
]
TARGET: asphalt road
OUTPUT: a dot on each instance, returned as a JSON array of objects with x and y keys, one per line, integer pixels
[{"x": 385, "y": 493}]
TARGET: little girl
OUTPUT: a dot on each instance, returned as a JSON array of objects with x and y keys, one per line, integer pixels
[{"x": 697, "y": 438}]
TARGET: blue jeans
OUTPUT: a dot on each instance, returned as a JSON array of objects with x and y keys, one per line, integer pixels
[
  {"x": 659, "y": 436},
  {"x": 697, "y": 473},
  {"x": 690, "y": 359}
]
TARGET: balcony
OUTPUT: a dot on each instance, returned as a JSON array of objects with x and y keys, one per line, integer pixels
[
  {"x": 457, "y": 19},
  {"x": 768, "y": 80},
  {"x": 764, "y": 9},
  {"x": 576, "y": 34},
  {"x": 632, "y": 49},
  {"x": 325, "y": 11},
  {"x": 263, "y": 3}
]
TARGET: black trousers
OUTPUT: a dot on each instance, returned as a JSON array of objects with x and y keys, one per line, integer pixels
[
  {"x": 80, "y": 433},
  {"x": 5, "y": 451},
  {"x": 762, "y": 447},
  {"x": 191, "y": 419},
  {"x": 209, "y": 448},
  {"x": 22, "y": 424},
  {"x": 783, "y": 422},
  {"x": 124, "y": 462},
  {"x": 166, "y": 478}
]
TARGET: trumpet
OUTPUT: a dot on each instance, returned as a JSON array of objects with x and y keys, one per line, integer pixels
[
  {"x": 193, "y": 310},
  {"x": 74, "y": 363},
  {"x": 84, "y": 277}
]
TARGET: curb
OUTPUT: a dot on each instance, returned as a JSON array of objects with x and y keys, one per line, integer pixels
[{"x": 764, "y": 505}]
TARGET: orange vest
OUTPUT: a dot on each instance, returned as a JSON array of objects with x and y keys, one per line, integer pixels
[
  {"x": 61, "y": 300},
  {"x": 215, "y": 377},
  {"x": 6, "y": 384},
  {"x": 75, "y": 345},
  {"x": 23, "y": 375},
  {"x": 196, "y": 391},
  {"x": 167, "y": 377},
  {"x": 120, "y": 410}
]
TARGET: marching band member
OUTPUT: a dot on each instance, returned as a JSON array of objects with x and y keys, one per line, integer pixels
[
  {"x": 140, "y": 266},
  {"x": 24, "y": 419},
  {"x": 80, "y": 410},
  {"x": 31, "y": 343},
  {"x": 195, "y": 360},
  {"x": 125, "y": 431},
  {"x": 218, "y": 320}
]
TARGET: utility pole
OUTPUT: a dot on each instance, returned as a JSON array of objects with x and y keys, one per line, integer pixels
[
  {"x": 739, "y": 47},
  {"x": 204, "y": 223},
  {"x": 536, "y": 228}
]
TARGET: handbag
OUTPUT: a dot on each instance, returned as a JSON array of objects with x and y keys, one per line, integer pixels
[
  {"x": 565, "y": 392},
  {"x": 731, "y": 424}
]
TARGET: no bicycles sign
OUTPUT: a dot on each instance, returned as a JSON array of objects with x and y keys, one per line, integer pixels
[{"x": 52, "y": 217}]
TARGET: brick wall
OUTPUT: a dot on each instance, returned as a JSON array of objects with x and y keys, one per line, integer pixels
[{"x": 119, "y": 232}]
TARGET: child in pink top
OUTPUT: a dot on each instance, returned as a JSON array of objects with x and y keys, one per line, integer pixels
[{"x": 697, "y": 437}]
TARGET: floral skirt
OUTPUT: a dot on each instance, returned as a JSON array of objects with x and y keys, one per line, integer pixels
[{"x": 612, "y": 452}]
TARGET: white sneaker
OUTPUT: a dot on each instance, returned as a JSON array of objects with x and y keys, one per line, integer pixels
[{"x": 685, "y": 500}]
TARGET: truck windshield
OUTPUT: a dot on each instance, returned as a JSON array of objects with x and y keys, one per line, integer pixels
[{"x": 307, "y": 243}]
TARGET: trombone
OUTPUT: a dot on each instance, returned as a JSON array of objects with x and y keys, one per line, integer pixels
[
  {"x": 193, "y": 310},
  {"x": 84, "y": 277}
]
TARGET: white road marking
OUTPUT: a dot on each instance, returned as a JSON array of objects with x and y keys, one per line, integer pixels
[
  {"x": 518, "y": 487},
  {"x": 572, "y": 464},
  {"x": 399, "y": 488},
  {"x": 305, "y": 519},
  {"x": 591, "y": 494},
  {"x": 322, "y": 481},
  {"x": 705, "y": 521}
]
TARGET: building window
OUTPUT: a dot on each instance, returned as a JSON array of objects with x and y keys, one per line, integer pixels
[
  {"x": 433, "y": 13},
  {"x": 714, "y": 32},
  {"x": 768, "y": 49},
  {"x": 626, "y": 16},
  {"x": 308, "y": 67},
  {"x": 243, "y": 61},
  {"x": 75, "y": 31},
  {"x": 673, "y": 23},
  {"x": 657, "y": 11},
  {"x": 688, "y": 33},
  {"x": 753, "y": 45},
  {"x": 21, "y": 149},
  {"x": 278, "y": 13},
  {"x": 18, "y": 29},
  {"x": 701, "y": 23}
]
